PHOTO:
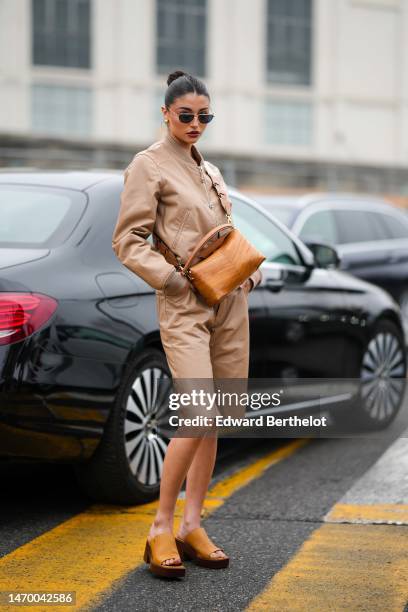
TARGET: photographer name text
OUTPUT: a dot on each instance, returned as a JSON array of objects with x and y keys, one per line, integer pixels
[{"x": 251, "y": 421}]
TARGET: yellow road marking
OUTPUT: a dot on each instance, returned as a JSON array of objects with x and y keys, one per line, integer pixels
[
  {"x": 396, "y": 514},
  {"x": 342, "y": 567},
  {"x": 92, "y": 552}
]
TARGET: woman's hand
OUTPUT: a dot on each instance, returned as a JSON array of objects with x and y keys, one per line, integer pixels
[
  {"x": 247, "y": 285},
  {"x": 175, "y": 283}
]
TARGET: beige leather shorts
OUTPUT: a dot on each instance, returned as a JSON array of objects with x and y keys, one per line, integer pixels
[{"x": 206, "y": 345}]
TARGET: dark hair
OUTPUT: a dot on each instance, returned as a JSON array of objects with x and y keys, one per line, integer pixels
[{"x": 180, "y": 83}]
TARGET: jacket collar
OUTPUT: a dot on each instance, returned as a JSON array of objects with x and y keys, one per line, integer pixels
[{"x": 181, "y": 152}]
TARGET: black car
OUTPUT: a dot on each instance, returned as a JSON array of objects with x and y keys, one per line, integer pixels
[
  {"x": 83, "y": 375},
  {"x": 370, "y": 235}
]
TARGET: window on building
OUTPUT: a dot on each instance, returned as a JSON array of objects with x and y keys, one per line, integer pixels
[
  {"x": 181, "y": 28},
  {"x": 61, "y": 33},
  {"x": 61, "y": 110},
  {"x": 288, "y": 122},
  {"x": 289, "y": 29}
]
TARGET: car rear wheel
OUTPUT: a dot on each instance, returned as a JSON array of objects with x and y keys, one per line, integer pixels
[
  {"x": 382, "y": 376},
  {"x": 127, "y": 464}
]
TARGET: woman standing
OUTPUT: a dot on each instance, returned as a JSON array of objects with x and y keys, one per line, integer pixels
[{"x": 170, "y": 190}]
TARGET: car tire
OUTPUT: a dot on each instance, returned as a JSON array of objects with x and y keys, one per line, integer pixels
[
  {"x": 126, "y": 466},
  {"x": 382, "y": 375},
  {"x": 403, "y": 303}
]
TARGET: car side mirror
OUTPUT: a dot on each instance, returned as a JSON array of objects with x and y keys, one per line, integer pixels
[{"x": 326, "y": 256}]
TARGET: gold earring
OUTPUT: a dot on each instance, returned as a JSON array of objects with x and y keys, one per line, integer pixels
[{"x": 166, "y": 121}]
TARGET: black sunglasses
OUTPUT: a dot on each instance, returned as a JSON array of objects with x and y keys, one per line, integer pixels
[{"x": 202, "y": 117}]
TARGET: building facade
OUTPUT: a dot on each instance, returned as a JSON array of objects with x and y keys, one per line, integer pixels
[{"x": 310, "y": 93}]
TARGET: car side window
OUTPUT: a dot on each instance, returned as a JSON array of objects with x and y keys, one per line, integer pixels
[
  {"x": 320, "y": 225},
  {"x": 357, "y": 226},
  {"x": 264, "y": 234},
  {"x": 394, "y": 227},
  {"x": 382, "y": 230}
]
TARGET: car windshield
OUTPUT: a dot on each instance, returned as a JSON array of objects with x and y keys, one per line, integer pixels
[
  {"x": 283, "y": 213},
  {"x": 37, "y": 216},
  {"x": 264, "y": 234}
]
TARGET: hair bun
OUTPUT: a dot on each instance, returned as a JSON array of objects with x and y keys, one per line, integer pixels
[{"x": 175, "y": 75}]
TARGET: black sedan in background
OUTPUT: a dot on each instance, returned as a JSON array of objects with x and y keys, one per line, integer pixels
[
  {"x": 370, "y": 235},
  {"x": 82, "y": 368}
]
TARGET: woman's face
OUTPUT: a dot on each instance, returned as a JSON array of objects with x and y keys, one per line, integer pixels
[{"x": 192, "y": 102}]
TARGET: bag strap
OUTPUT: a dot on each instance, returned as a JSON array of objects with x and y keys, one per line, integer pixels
[
  {"x": 226, "y": 205},
  {"x": 167, "y": 252}
]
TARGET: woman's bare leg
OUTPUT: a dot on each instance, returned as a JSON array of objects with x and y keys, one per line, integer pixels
[
  {"x": 198, "y": 480},
  {"x": 178, "y": 458}
]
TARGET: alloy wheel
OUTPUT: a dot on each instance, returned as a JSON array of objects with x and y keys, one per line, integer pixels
[
  {"x": 146, "y": 408},
  {"x": 382, "y": 376}
]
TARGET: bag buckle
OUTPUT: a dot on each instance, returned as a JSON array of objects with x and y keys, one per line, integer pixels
[
  {"x": 179, "y": 265},
  {"x": 181, "y": 269},
  {"x": 188, "y": 274}
]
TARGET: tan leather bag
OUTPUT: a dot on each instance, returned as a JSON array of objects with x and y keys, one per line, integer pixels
[{"x": 222, "y": 260}]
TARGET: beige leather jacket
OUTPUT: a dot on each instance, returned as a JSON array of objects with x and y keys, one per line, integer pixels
[{"x": 168, "y": 192}]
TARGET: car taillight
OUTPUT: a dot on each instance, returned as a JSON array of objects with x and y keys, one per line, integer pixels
[{"x": 22, "y": 314}]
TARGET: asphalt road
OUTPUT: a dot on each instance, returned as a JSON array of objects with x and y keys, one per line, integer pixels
[{"x": 261, "y": 525}]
